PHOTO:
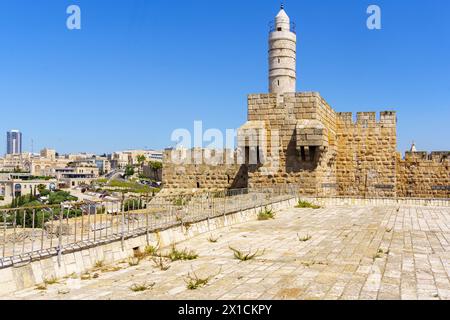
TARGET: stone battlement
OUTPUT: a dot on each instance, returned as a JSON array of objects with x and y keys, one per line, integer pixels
[
  {"x": 365, "y": 118},
  {"x": 435, "y": 156},
  {"x": 284, "y": 95}
]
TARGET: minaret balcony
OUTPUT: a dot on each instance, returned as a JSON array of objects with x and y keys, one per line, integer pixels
[{"x": 273, "y": 27}]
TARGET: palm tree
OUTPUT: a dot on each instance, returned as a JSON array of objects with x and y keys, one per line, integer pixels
[{"x": 141, "y": 159}]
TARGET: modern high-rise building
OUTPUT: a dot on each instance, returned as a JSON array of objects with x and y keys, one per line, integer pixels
[{"x": 14, "y": 142}]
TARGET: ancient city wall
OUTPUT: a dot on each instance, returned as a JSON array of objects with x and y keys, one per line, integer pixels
[
  {"x": 306, "y": 143},
  {"x": 366, "y": 159},
  {"x": 203, "y": 169},
  {"x": 327, "y": 169},
  {"x": 424, "y": 175}
]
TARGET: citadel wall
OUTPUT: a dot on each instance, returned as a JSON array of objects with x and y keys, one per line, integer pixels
[
  {"x": 366, "y": 160},
  {"x": 423, "y": 175},
  {"x": 306, "y": 128},
  {"x": 203, "y": 169},
  {"x": 306, "y": 143}
]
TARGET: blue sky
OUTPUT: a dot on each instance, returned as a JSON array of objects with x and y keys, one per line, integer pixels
[{"x": 138, "y": 69}]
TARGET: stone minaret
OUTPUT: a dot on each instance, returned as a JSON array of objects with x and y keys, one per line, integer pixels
[{"x": 282, "y": 55}]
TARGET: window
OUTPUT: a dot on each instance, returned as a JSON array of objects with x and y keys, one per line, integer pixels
[
  {"x": 312, "y": 153},
  {"x": 303, "y": 154},
  {"x": 258, "y": 158},
  {"x": 198, "y": 185},
  {"x": 278, "y": 82},
  {"x": 279, "y": 60},
  {"x": 279, "y": 29}
]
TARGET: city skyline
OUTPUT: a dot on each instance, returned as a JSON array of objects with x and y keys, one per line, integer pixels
[{"x": 130, "y": 87}]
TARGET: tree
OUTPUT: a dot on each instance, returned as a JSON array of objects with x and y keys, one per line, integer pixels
[
  {"x": 155, "y": 166},
  {"x": 140, "y": 159},
  {"x": 41, "y": 189},
  {"x": 129, "y": 171}
]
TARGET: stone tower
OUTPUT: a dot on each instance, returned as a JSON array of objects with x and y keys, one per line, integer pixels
[{"x": 282, "y": 55}]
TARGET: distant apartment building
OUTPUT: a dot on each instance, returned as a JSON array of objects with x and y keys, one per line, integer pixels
[
  {"x": 121, "y": 159},
  {"x": 15, "y": 162},
  {"x": 103, "y": 165},
  {"x": 155, "y": 155},
  {"x": 46, "y": 163},
  {"x": 78, "y": 173},
  {"x": 14, "y": 185},
  {"x": 14, "y": 142},
  {"x": 48, "y": 154}
]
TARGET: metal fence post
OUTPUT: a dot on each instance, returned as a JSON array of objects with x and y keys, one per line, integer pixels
[
  {"x": 61, "y": 216},
  {"x": 205, "y": 211},
  {"x": 4, "y": 234},
  {"x": 146, "y": 227},
  {"x": 122, "y": 226}
]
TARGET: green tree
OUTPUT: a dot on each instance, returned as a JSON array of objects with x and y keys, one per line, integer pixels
[
  {"x": 129, "y": 171},
  {"x": 155, "y": 166},
  {"x": 141, "y": 159},
  {"x": 60, "y": 196}
]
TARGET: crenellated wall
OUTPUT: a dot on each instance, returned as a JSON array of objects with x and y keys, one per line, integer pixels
[
  {"x": 203, "y": 169},
  {"x": 300, "y": 140},
  {"x": 424, "y": 175},
  {"x": 366, "y": 160}
]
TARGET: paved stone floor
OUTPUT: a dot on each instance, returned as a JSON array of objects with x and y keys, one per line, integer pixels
[{"x": 352, "y": 253}]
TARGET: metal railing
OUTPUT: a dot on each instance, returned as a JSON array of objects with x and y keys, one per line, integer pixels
[
  {"x": 272, "y": 26},
  {"x": 33, "y": 233}
]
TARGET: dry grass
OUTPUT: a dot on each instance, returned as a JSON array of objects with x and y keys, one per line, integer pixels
[
  {"x": 141, "y": 287},
  {"x": 110, "y": 269},
  {"x": 50, "y": 281},
  {"x": 380, "y": 253},
  {"x": 213, "y": 239},
  {"x": 306, "y": 204},
  {"x": 63, "y": 291},
  {"x": 176, "y": 255},
  {"x": 193, "y": 281},
  {"x": 266, "y": 214},
  {"x": 161, "y": 262},
  {"x": 312, "y": 263},
  {"x": 304, "y": 238},
  {"x": 86, "y": 276},
  {"x": 134, "y": 261},
  {"x": 242, "y": 256},
  {"x": 41, "y": 287},
  {"x": 151, "y": 250}
]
